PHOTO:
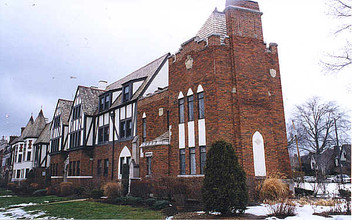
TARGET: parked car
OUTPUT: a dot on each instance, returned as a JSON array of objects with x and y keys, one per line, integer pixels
[{"x": 345, "y": 178}]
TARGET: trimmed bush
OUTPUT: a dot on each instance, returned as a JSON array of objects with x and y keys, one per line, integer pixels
[
  {"x": 79, "y": 191},
  {"x": 112, "y": 190},
  {"x": 160, "y": 204},
  {"x": 224, "y": 188},
  {"x": 66, "y": 188},
  {"x": 150, "y": 202},
  {"x": 142, "y": 188},
  {"x": 96, "y": 194},
  {"x": 40, "y": 192}
]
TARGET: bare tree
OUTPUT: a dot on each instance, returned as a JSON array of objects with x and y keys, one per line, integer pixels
[
  {"x": 342, "y": 11},
  {"x": 315, "y": 127}
]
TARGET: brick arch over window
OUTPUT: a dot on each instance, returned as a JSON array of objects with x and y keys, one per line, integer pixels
[
  {"x": 259, "y": 154},
  {"x": 125, "y": 157}
]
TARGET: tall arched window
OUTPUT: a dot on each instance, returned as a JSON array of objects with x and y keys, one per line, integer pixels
[{"x": 259, "y": 155}]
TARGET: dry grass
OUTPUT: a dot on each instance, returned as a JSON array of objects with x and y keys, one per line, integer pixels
[
  {"x": 112, "y": 190},
  {"x": 282, "y": 209},
  {"x": 326, "y": 202},
  {"x": 274, "y": 189}
]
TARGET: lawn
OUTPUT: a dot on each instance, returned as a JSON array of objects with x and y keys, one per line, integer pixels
[
  {"x": 8, "y": 199},
  {"x": 77, "y": 210},
  {"x": 94, "y": 210}
]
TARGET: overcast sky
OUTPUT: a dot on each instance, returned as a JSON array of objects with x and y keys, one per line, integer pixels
[{"x": 49, "y": 47}]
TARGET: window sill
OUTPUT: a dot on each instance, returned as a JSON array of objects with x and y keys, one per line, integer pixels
[{"x": 190, "y": 176}]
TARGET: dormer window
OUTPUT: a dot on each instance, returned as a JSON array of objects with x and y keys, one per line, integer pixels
[
  {"x": 127, "y": 92},
  {"x": 76, "y": 112},
  {"x": 105, "y": 102}
]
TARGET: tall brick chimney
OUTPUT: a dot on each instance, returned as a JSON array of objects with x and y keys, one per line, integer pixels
[{"x": 243, "y": 18}]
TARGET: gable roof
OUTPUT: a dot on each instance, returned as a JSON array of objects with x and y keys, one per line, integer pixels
[
  {"x": 148, "y": 72},
  {"x": 37, "y": 126},
  {"x": 25, "y": 131},
  {"x": 65, "y": 106},
  {"x": 44, "y": 137},
  {"x": 90, "y": 99},
  {"x": 214, "y": 25}
]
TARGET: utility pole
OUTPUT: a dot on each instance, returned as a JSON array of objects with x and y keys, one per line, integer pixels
[
  {"x": 340, "y": 151},
  {"x": 298, "y": 154}
]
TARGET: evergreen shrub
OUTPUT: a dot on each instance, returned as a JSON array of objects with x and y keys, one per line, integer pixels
[{"x": 224, "y": 188}]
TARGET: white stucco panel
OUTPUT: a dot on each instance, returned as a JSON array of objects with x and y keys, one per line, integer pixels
[
  {"x": 202, "y": 134},
  {"x": 191, "y": 140},
  {"x": 181, "y": 136}
]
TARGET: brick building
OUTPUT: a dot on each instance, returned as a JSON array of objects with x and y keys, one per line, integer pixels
[{"x": 223, "y": 84}]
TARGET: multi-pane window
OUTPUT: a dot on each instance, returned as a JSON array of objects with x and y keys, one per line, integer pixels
[
  {"x": 75, "y": 138},
  {"x": 19, "y": 158},
  {"x": 182, "y": 162},
  {"x": 126, "y": 128},
  {"x": 18, "y": 174},
  {"x": 203, "y": 158},
  {"x": 190, "y": 108},
  {"x": 24, "y": 153},
  {"x": 106, "y": 167},
  {"x": 149, "y": 165},
  {"x": 144, "y": 129},
  {"x": 55, "y": 145},
  {"x": 201, "y": 105},
  {"x": 56, "y": 121},
  {"x": 181, "y": 110},
  {"x": 99, "y": 167},
  {"x": 74, "y": 168},
  {"x": 127, "y": 93},
  {"x": 105, "y": 102},
  {"x": 103, "y": 134},
  {"x": 76, "y": 112},
  {"x": 192, "y": 160}
]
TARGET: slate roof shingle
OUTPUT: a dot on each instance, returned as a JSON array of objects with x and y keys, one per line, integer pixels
[
  {"x": 44, "y": 137},
  {"x": 37, "y": 127},
  {"x": 90, "y": 99}
]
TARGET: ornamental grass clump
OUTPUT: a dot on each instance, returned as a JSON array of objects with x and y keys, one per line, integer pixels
[
  {"x": 112, "y": 190},
  {"x": 224, "y": 187},
  {"x": 273, "y": 189}
]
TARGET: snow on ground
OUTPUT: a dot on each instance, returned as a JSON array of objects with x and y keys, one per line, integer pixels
[
  {"x": 302, "y": 213},
  {"x": 328, "y": 189}
]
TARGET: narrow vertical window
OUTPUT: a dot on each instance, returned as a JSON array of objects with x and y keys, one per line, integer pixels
[
  {"x": 149, "y": 165},
  {"x": 167, "y": 119},
  {"x": 74, "y": 168},
  {"x": 29, "y": 155},
  {"x": 123, "y": 129},
  {"x": 78, "y": 171},
  {"x": 181, "y": 110},
  {"x": 99, "y": 166},
  {"x": 107, "y": 101},
  {"x": 70, "y": 169},
  {"x": 106, "y": 167},
  {"x": 190, "y": 108},
  {"x": 203, "y": 158},
  {"x": 127, "y": 93},
  {"x": 144, "y": 125},
  {"x": 182, "y": 162},
  {"x": 128, "y": 128},
  {"x": 106, "y": 133},
  {"x": 201, "y": 105},
  {"x": 192, "y": 160},
  {"x": 121, "y": 164}
]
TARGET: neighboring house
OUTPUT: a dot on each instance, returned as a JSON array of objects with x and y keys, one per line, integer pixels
[
  {"x": 23, "y": 146},
  {"x": 59, "y": 138},
  {"x": 41, "y": 154},
  {"x": 330, "y": 161}
]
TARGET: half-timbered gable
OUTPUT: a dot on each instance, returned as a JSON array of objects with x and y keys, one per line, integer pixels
[
  {"x": 41, "y": 148},
  {"x": 59, "y": 126},
  {"x": 84, "y": 106}
]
